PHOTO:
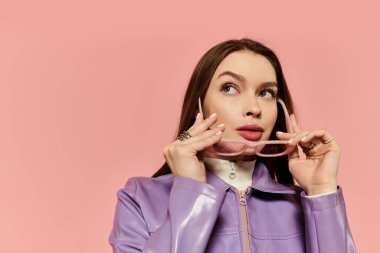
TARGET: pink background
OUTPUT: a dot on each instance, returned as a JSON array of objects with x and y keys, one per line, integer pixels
[{"x": 90, "y": 94}]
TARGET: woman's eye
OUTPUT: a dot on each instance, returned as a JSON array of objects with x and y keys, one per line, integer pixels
[
  {"x": 227, "y": 87},
  {"x": 269, "y": 92}
]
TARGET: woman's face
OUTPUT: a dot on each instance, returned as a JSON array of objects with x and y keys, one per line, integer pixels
[{"x": 242, "y": 91}]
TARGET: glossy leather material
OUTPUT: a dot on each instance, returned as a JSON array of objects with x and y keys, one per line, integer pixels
[{"x": 178, "y": 214}]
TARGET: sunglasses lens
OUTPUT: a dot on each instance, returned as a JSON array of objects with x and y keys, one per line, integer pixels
[
  {"x": 226, "y": 147},
  {"x": 271, "y": 149},
  {"x": 237, "y": 147}
]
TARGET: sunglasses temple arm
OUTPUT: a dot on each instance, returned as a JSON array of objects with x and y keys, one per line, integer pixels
[
  {"x": 288, "y": 123},
  {"x": 200, "y": 106}
]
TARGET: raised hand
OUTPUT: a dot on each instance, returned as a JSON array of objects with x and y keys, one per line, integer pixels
[
  {"x": 317, "y": 174},
  {"x": 185, "y": 158}
]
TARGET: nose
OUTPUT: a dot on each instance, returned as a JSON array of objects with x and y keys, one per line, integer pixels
[{"x": 251, "y": 107}]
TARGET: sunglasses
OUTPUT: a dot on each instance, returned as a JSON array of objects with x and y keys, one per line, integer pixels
[{"x": 270, "y": 148}]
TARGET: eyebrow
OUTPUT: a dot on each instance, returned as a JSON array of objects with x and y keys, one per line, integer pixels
[{"x": 242, "y": 79}]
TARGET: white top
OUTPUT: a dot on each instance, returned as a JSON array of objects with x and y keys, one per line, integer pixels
[{"x": 238, "y": 174}]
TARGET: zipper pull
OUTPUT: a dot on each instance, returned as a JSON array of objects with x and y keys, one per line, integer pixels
[{"x": 243, "y": 201}]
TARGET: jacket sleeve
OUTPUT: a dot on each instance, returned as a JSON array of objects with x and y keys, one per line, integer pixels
[
  {"x": 326, "y": 224},
  {"x": 192, "y": 212}
]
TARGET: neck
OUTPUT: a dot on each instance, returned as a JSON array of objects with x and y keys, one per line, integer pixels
[{"x": 237, "y": 173}]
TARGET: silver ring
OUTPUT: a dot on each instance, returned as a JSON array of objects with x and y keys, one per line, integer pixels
[
  {"x": 305, "y": 150},
  {"x": 184, "y": 135}
]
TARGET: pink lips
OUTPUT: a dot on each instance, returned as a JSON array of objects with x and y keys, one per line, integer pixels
[
  {"x": 250, "y": 135},
  {"x": 251, "y": 132}
]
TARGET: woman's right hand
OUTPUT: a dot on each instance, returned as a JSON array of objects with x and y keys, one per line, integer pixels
[{"x": 185, "y": 158}]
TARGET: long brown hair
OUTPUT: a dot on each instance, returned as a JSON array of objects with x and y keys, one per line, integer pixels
[{"x": 198, "y": 85}]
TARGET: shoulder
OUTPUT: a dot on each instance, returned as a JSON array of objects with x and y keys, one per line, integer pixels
[
  {"x": 147, "y": 196},
  {"x": 143, "y": 186}
]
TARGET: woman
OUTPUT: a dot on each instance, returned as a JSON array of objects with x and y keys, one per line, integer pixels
[{"x": 203, "y": 200}]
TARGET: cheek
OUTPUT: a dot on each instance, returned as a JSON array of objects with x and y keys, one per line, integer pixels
[
  {"x": 272, "y": 117},
  {"x": 225, "y": 115}
]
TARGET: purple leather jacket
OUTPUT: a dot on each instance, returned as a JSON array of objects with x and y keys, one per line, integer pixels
[{"x": 178, "y": 214}]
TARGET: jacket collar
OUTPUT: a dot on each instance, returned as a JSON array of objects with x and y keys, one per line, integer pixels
[{"x": 261, "y": 180}]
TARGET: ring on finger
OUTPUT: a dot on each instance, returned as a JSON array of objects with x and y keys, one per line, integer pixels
[
  {"x": 184, "y": 135},
  {"x": 307, "y": 149}
]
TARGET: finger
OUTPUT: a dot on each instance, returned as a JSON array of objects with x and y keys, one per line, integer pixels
[
  {"x": 317, "y": 136},
  {"x": 203, "y": 125},
  {"x": 295, "y": 129},
  {"x": 198, "y": 118},
  {"x": 205, "y": 134},
  {"x": 293, "y": 138},
  {"x": 203, "y": 140},
  {"x": 295, "y": 125},
  {"x": 297, "y": 138},
  {"x": 294, "y": 154},
  {"x": 284, "y": 136}
]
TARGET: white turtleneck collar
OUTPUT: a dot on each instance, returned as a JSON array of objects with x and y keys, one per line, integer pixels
[{"x": 237, "y": 174}]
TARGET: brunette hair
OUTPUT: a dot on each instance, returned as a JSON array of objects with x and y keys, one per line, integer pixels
[{"x": 200, "y": 81}]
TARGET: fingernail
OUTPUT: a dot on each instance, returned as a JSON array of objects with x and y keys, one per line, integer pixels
[
  {"x": 219, "y": 133},
  {"x": 303, "y": 138},
  {"x": 213, "y": 115},
  {"x": 198, "y": 115},
  {"x": 289, "y": 141},
  {"x": 279, "y": 132},
  {"x": 220, "y": 125}
]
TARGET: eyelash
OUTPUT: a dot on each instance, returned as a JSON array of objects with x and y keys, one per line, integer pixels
[{"x": 271, "y": 91}]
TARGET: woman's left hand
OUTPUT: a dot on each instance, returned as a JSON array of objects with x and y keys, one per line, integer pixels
[{"x": 317, "y": 174}]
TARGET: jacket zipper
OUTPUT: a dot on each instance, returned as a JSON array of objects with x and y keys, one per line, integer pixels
[{"x": 244, "y": 219}]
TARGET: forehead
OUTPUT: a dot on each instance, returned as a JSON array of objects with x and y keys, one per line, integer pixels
[{"x": 254, "y": 67}]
